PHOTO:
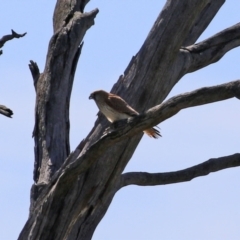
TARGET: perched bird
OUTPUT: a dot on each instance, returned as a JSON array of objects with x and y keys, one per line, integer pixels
[{"x": 115, "y": 108}]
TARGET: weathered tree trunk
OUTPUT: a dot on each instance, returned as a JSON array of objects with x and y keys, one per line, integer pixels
[
  {"x": 53, "y": 89},
  {"x": 73, "y": 192}
]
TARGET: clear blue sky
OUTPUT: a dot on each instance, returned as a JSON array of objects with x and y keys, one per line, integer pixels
[{"x": 205, "y": 208}]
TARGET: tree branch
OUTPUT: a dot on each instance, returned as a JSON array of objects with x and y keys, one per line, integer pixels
[
  {"x": 6, "y": 111},
  {"x": 3, "y": 109},
  {"x": 158, "y": 63},
  {"x": 172, "y": 106},
  {"x": 66, "y": 177},
  {"x": 35, "y": 72},
  {"x": 212, "y": 49},
  {"x": 132, "y": 126},
  {"x": 54, "y": 86},
  {"x": 203, "y": 169},
  {"x": 8, "y": 37}
]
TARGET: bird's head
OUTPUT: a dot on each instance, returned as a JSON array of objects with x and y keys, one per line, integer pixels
[
  {"x": 99, "y": 94},
  {"x": 92, "y": 96}
]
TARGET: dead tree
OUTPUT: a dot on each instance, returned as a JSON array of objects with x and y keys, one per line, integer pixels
[{"x": 73, "y": 191}]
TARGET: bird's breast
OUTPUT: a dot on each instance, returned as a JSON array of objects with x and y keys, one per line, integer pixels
[{"x": 111, "y": 114}]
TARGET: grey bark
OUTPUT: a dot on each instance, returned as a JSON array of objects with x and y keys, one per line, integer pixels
[
  {"x": 72, "y": 192},
  {"x": 53, "y": 89}
]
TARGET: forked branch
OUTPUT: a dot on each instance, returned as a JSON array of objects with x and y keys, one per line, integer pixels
[
  {"x": 209, "y": 51},
  {"x": 8, "y": 37},
  {"x": 154, "y": 116},
  {"x": 133, "y": 126}
]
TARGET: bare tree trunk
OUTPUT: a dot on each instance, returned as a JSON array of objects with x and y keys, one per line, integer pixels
[
  {"x": 73, "y": 192},
  {"x": 53, "y": 89}
]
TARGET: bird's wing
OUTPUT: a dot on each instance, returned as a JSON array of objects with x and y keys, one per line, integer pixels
[{"x": 118, "y": 104}]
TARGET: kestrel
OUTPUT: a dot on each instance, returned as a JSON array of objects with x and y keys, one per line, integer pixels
[{"x": 114, "y": 108}]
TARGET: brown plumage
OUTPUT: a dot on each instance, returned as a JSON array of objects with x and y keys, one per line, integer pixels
[{"x": 115, "y": 108}]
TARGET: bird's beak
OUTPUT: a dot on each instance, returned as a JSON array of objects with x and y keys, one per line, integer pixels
[{"x": 90, "y": 97}]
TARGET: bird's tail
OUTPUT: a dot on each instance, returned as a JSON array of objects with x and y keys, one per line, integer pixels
[{"x": 152, "y": 132}]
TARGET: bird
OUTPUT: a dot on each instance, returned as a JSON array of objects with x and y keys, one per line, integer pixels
[{"x": 114, "y": 108}]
